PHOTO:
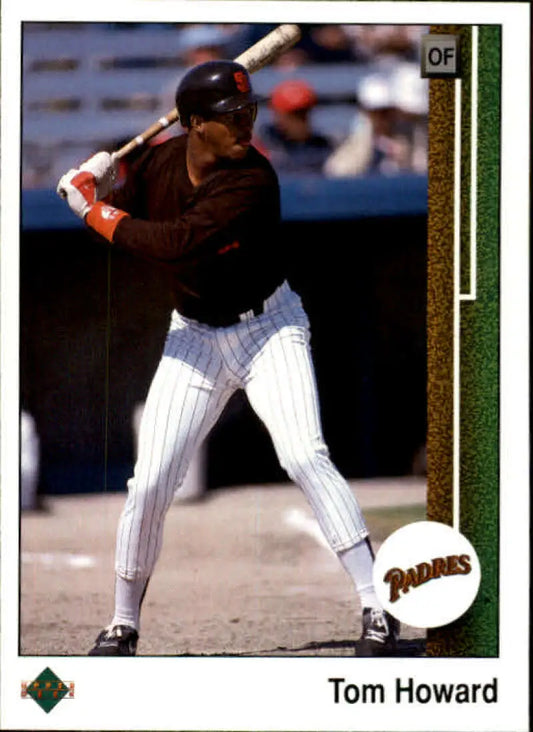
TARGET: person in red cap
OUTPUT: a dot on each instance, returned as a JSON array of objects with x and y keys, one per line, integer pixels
[{"x": 289, "y": 141}]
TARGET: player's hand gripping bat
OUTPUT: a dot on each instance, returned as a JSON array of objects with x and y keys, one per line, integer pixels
[{"x": 253, "y": 59}]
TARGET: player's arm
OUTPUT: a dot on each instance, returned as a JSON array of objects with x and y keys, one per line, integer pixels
[{"x": 229, "y": 206}]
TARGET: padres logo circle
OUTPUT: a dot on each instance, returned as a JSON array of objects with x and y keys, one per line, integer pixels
[{"x": 427, "y": 574}]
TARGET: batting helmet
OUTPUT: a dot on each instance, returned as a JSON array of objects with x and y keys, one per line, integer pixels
[{"x": 213, "y": 87}]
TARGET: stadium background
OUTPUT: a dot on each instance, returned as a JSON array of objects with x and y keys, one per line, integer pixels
[{"x": 92, "y": 324}]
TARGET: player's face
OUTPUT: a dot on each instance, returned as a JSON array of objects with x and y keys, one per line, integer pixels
[{"x": 229, "y": 135}]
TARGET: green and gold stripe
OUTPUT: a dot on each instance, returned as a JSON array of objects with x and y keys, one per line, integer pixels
[{"x": 463, "y": 323}]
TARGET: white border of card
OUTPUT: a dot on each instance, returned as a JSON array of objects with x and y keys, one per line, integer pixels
[{"x": 285, "y": 693}]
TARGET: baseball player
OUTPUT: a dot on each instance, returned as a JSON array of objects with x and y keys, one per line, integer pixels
[{"x": 207, "y": 203}]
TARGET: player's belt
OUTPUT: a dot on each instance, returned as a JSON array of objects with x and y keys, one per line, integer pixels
[
  {"x": 224, "y": 320},
  {"x": 253, "y": 312},
  {"x": 260, "y": 306},
  {"x": 221, "y": 319}
]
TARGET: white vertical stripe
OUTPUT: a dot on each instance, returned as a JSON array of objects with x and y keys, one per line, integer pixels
[
  {"x": 456, "y": 312},
  {"x": 473, "y": 167},
  {"x": 472, "y": 294}
]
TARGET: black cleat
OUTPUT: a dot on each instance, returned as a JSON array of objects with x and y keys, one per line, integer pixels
[
  {"x": 118, "y": 640},
  {"x": 380, "y": 633}
]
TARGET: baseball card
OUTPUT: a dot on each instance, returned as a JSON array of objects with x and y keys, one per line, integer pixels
[{"x": 265, "y": 366}]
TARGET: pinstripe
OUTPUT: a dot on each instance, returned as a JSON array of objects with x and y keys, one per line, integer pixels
[
  {"x": 150, "y": 493},
  {"x": 183, "y": 455},
  {"x": 297, "y": 434},
  {"x": 224, "y": 342},
  {"x": 283, "y": 431},
  {"x": 165, "y": 453},
  {"x": 154, "y": 401},
  {"x": 189, "y": 434},
  {"x": 270, "y": 358},
  {"x": 148, "y": 459},
  {"x": 243, "y": 346},
  {"x": 322, "y": 481},
  {"x": 335, "y": 489},
  {"x": 339, "y": 494},
  {"x": 179, "y": 455}
]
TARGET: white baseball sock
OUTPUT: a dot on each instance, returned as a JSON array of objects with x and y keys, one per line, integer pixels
[
  {"x": 358, "y": 562},
  {"x": 128, "y": 596}
]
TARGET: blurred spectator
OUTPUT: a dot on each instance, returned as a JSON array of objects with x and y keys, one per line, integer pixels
[
  {"x": 411, "y": 93},
  {"x": 290, "y": 59},
  {"x": 383, "y": 135},
  {"x": 385, "y": 43},
  {"x": 328, "y": 44},
  {"x": 37, "y": 162},
  {"x": 48, "y": 151},
  {"x": 289, "y": 141},
  {"x": 29, "y": 462},
  {"x": 200, "y": 43}
]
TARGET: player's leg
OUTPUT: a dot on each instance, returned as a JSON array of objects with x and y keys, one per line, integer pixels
[
  {"x": 282, "y": 390},
  {"x": 184, "y": 400}
]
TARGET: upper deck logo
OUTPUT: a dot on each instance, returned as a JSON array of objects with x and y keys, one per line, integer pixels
[{"x": 47, "y": 690}]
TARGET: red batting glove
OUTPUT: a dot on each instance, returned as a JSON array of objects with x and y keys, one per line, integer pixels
[
  {"x": 104, "y": 167},
  {"x": 79, "y": 188}
]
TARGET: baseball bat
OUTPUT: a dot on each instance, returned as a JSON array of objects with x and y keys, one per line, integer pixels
[{"x": 254, "y": 58}]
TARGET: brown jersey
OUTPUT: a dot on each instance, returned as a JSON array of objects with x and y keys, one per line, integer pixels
[{"x": 220, "y": 240}]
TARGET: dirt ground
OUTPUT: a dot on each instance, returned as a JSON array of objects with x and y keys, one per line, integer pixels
[{"x": 242, "y": 572}]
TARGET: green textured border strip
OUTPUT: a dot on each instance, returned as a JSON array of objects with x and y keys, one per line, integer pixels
[{"x": 475, "y": 633}]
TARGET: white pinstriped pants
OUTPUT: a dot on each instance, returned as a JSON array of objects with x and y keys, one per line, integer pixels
[{"x": 269, "y": 357}]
